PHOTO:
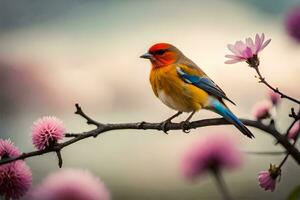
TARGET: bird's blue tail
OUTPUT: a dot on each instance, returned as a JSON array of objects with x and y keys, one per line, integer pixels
[{"x": 219, "y": 108}]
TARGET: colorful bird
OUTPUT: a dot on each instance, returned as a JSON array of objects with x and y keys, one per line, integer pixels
[{"x": 181, "y": 85}]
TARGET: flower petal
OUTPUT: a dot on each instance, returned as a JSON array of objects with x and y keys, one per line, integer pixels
[
  {"x": 247, "y": 53},
  {"x": 262, "y": 39},
  {"x": 232, "y": 61},
  {"x": 257, "y": 41},
  {"x": 272, "y": 186},
  {"x": 233, "y": 57},
  {"x": 265, "y": 44},
  {"x": 250, "y": 44},
  {"x": 240, "y": 45},
  {"x": 232, "y": 49}
]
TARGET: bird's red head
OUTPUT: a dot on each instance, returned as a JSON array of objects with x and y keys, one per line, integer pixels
[{"x": 162, "y": 54}]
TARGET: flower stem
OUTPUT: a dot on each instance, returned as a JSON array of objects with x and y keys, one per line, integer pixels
[
  {"x": 283, "y": 161},
  {"x": 286, "y": 157},
  {"x": 221, "y": 184}
]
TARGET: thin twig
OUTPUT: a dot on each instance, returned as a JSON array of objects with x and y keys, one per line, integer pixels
[
  {"x": 290, "y": 127},
  {"x": 263, "y": 80},
  {"x": 88, "y": 119},
  {"x": 286, "y": 156},
  {"x": 101, "y": 128},
  {"x": 271, "y": 153},
  {"x": 60, "y": 161},
  {"x": 293, "y": 113}
]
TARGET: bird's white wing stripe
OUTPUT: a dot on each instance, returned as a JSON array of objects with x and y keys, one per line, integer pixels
[{"x": 179, "y": 71}]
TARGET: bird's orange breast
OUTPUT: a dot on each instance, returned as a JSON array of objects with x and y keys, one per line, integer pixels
[{"x": 174, "y": 92}]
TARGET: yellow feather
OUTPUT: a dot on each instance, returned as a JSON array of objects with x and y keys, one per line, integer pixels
[{"x": 174, "y": 92}]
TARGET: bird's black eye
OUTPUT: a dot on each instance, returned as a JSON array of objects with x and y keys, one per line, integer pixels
[{"x": 160, "y": 51}]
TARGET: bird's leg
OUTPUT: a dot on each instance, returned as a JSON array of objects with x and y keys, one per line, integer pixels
[
  {"x": 164, "y": 123},
  {"x": 185, "y": 124}
]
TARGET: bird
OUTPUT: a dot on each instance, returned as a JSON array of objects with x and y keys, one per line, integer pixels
[{"x": 182, "y": 86}]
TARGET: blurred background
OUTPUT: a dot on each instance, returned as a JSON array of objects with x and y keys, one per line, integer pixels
[{"x": 56, "y": 53}]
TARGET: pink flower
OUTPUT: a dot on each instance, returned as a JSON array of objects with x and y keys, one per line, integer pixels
[
  {"x": 47, "y": 131},
  {"x": 7, "y": 149},
  {"x": 292, "y": 24},
  {"x": 274, "y": 97},
  {"x": 293, "y": 132},
  {"x": 267, "y": 179},
  {"x": 248, "y": 50},
  {"x": 261, "y": 110},
  {"x": 71, "y": 184},
  {"x": 15, "y": 179},
  {"x": 215, "y": 152}
]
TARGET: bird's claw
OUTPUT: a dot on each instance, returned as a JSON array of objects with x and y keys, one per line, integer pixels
[
  {"x": 185, "y": 126},
  {"x": 163, "y": 126}
]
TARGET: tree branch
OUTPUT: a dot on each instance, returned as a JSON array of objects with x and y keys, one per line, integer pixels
[
  {"x": 101, "y": 128},
  {"x": 296, "y": 118}
]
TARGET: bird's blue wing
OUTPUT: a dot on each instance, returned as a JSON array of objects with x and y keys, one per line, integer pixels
[{"x": 205, "y": 83}]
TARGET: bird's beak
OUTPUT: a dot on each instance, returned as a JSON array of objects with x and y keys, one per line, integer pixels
[{"x": 146, "y": 56}]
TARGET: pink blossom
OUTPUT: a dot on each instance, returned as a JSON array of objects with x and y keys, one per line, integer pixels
[
  {"x": 244, "y": 51},
  {"x": 292, "y": 24},
  {"x": 71, "y": 184},
  {"x": 47, "y": 131},
  {"x": 274, "y": 97},
  {"x": 15, "y": 179},
  {"x": 7, "y": 149},
  {"x": 261, "y": 110},
  {"x": 293, "y": 132},
  {"x": 215, "y": 152},
  {"x": 267, "y": 179}
]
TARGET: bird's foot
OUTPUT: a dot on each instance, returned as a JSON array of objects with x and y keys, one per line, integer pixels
[
  {"x": 185, "y": 125},
  {"x": 164, "y": 125}
]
